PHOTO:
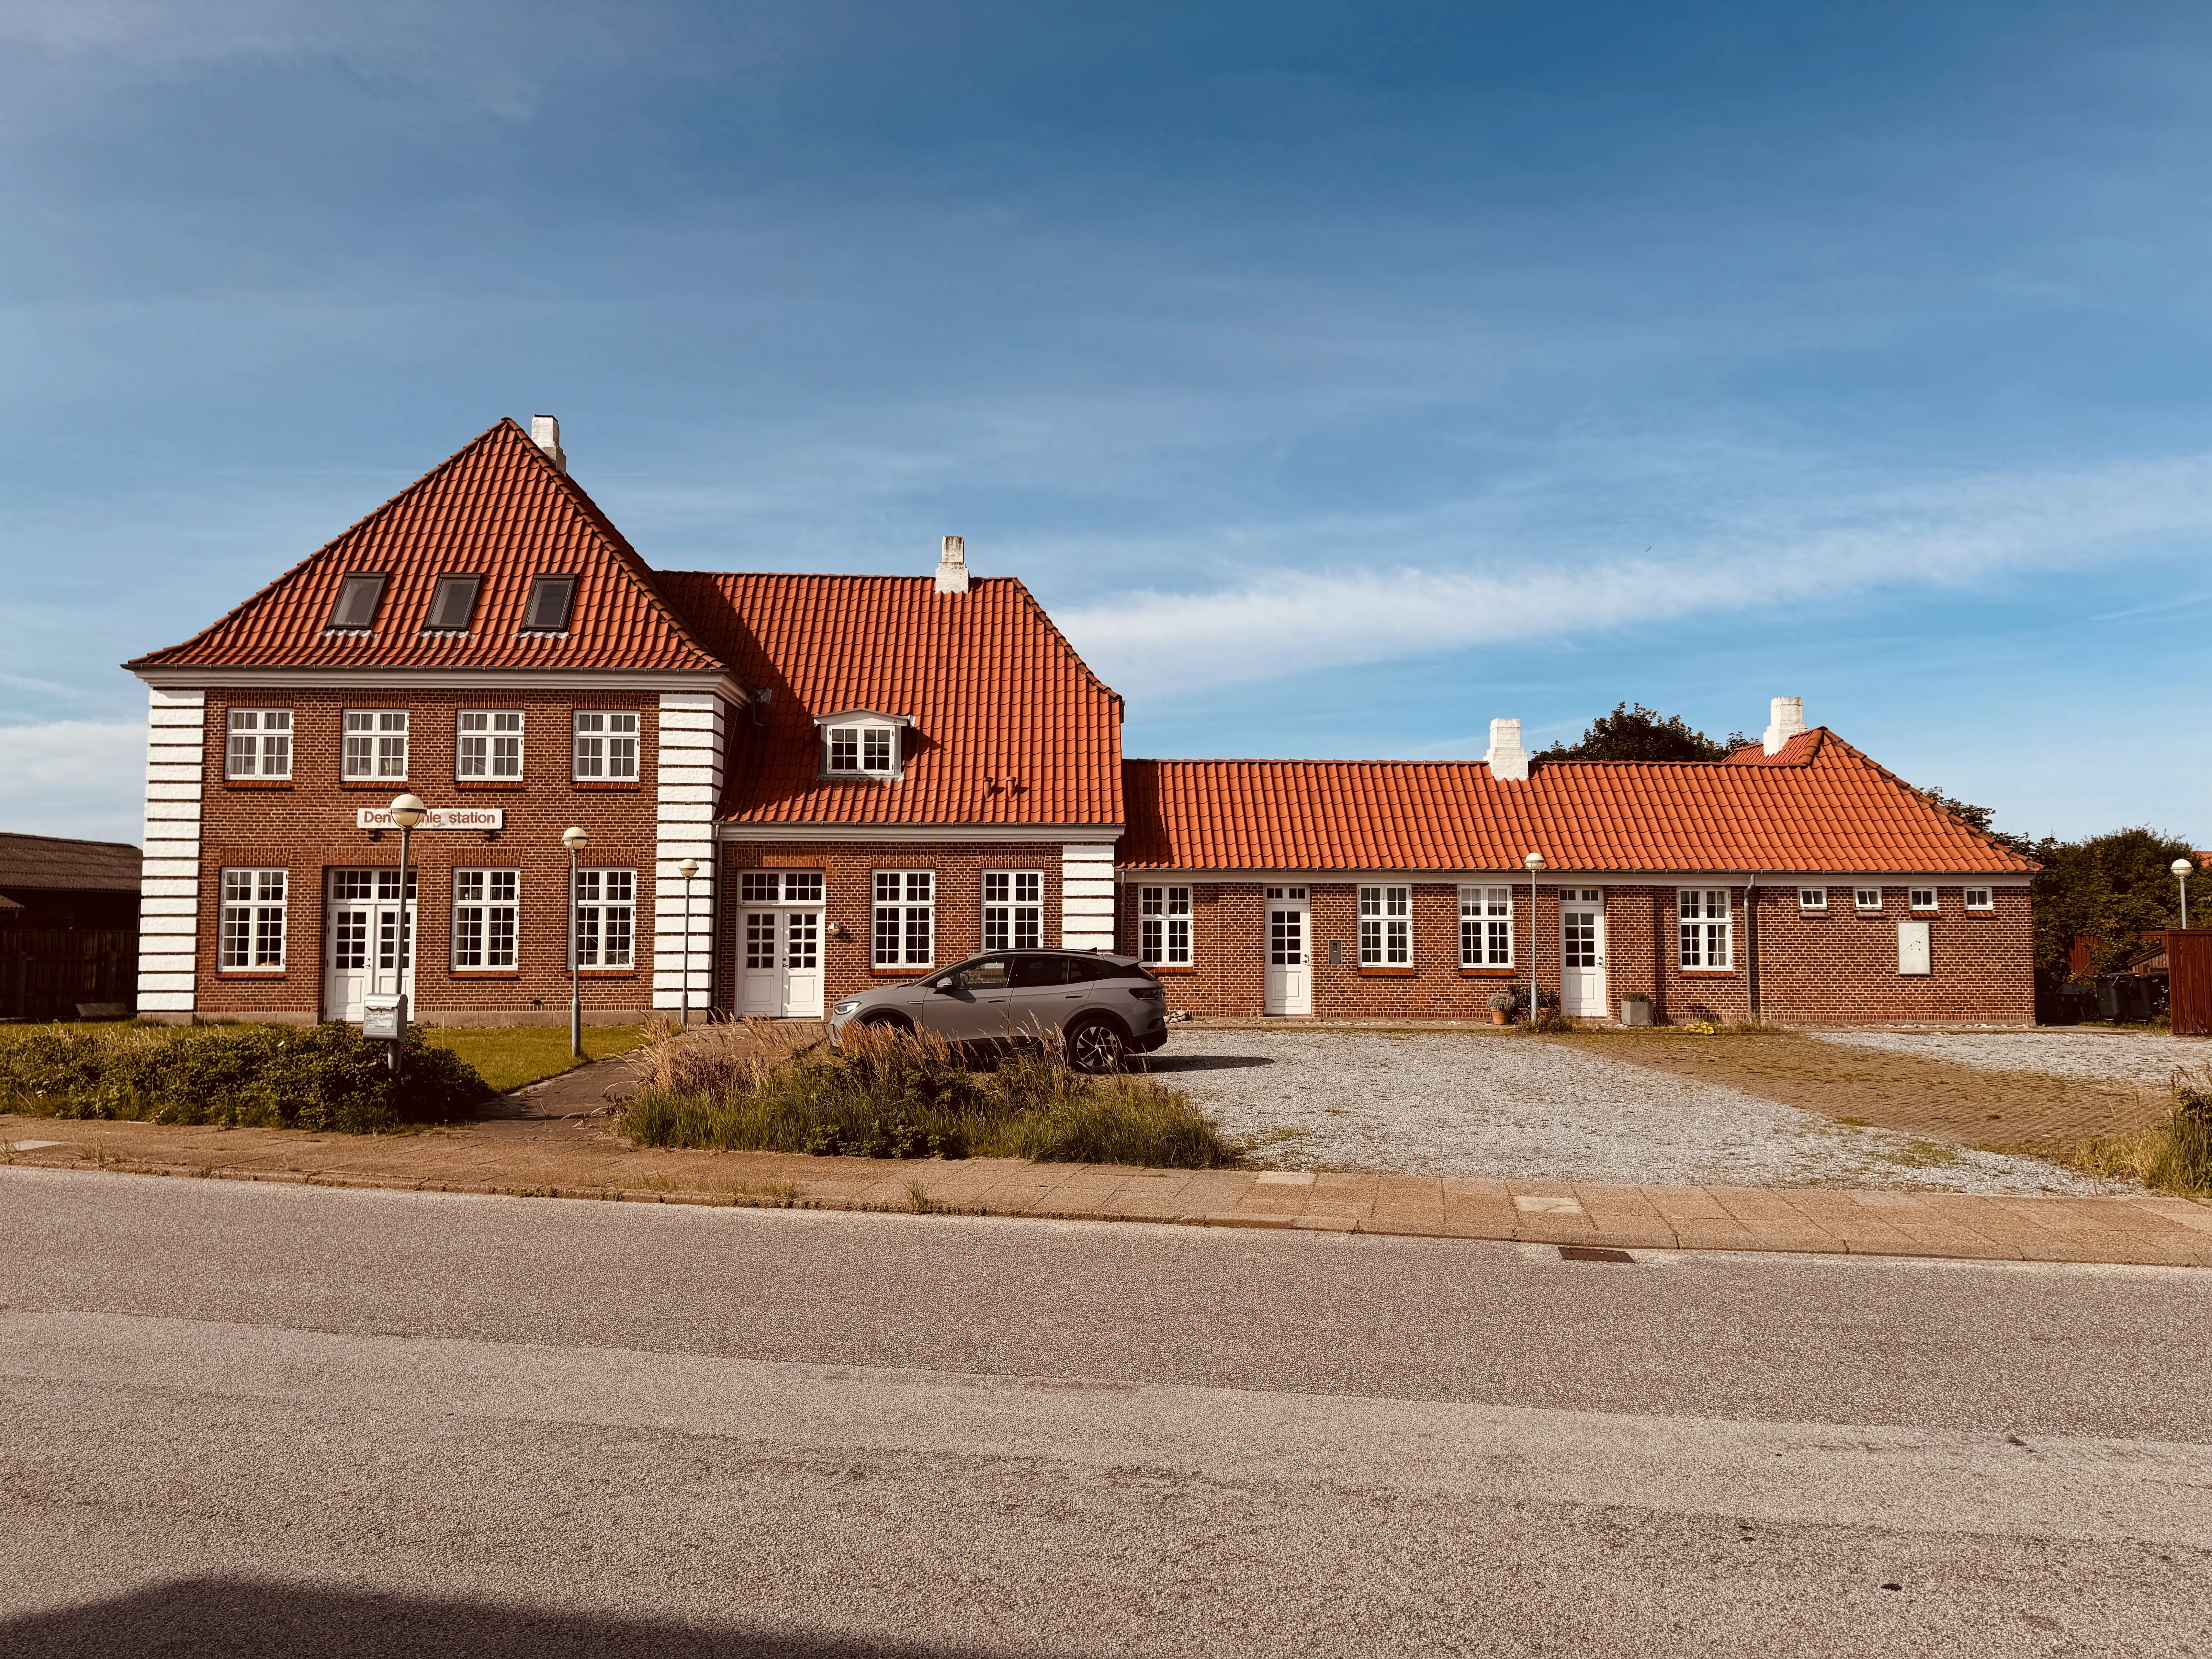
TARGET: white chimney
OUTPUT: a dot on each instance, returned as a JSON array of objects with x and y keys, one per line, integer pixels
[
  {"x": 1507, "y": 760},
  {"x": 953, "y": 566},
  {"x": 545, "y": 433},
  {"x": 1786, "y": 720}
]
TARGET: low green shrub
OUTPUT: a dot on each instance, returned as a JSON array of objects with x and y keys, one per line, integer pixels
[
  {"x": 895, "y": 1094},
  {"x": 326, "y": 1077}
]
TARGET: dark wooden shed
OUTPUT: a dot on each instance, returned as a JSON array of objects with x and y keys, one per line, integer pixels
[{"x": 68, "y": 926}]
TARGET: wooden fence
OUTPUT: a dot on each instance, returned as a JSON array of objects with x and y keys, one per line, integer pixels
[
  {"x": 2189, "y": 981},
  {"x": 44, "y": 972}
]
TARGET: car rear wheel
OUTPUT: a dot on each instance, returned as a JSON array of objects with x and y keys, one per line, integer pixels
[{"x": 1096, "y": 1046}]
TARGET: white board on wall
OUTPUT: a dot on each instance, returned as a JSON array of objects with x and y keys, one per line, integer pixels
[{"x": 1913, "y": 947}]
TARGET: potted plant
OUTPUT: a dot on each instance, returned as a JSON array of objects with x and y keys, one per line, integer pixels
[{"x": 1502, "y": 1005}]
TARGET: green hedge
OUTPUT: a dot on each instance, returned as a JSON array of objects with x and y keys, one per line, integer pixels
[{"x": 326, "y": 1077}]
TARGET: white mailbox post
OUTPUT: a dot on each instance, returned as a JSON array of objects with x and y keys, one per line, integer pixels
[{"x": 384, "y": 1018}]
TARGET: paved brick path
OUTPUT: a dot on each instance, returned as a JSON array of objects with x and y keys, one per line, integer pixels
[{"x": 573, "y": 1157}]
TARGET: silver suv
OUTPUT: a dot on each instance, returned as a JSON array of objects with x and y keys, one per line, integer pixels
[{"x": 1105, "y": 1007}]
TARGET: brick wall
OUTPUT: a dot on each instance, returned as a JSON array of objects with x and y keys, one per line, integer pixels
[
  {"x": 1839, "y": 966},
  {"x": 848, "y": 890},
  {"x": 306, "y": 827}
]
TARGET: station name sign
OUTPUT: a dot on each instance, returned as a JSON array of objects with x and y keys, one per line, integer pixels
[{"x": 438, "y": 817}]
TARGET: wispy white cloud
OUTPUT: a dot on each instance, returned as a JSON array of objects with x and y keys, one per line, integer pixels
[
  {"x": 74, "y": 778},
  {"x": 1419, "y": 594}
]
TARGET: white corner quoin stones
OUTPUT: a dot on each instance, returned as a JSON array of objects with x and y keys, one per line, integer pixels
[
  {"x": 692, "y": 726},
  {"x": 1086, "y": 897},
  {"x": 169, "y": 884}
]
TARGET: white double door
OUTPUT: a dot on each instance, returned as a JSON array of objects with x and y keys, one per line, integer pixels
[
  {"x": 1289, "y": 946},
  {"x": 368, "y": 949},
  {"x": 779, "y": 957},
  {"x": 1582, "y": 952}
]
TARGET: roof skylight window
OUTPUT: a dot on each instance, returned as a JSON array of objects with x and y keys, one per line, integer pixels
[
  {"x": 451, "y": 606},
  {"x": 548, "y": 610},
  {"x": 357, "y": 600}
]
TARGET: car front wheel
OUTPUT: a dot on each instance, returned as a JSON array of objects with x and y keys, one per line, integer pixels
[{"x": 1095, "y": 1047}]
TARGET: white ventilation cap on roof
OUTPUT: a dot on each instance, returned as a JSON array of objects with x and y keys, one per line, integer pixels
[
  {"x": 953, "y": 566},
  {"x": 1786, "y": 719},
  {"x": 1507, "y": 760},
  {"x": 545, "y": 433}
]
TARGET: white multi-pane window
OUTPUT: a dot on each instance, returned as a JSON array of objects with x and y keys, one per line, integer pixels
[
  {"x": 485, "y": 906},
  {"x": 1812, "y": 898},
  {"x": 1485, "y": 927},
  {"x": 1163, "y": 926},
  {"x": 1013, "y": 909},
  {"x": 1386, "y": 927},
  {"x": 1923, "y": 898},
  {"x": 253, "y": 919},
  {"x": 780, "y": 887},
  {"x": 606, "y": 746},
  {"x": 488, "y": 743},
  {"x": 863, "y": 751},
  {"x": 375, "y": 744},
  {"x": 905, "y": 918},
  {"x": 1708, "y": 939},
  {"x": 606, "y": 918},
  {"x": 1980, "y": 898},
  {"x": 260, "y": 743},
  {"x": 1866, "y": 898}
]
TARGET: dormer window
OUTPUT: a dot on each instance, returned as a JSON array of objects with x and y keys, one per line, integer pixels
[
  {"x": 355, "y": 609},
  {"x": 452, "y": 605},
  {"x": 862, "y": 744},
  {"x": 548, "y": 609}
]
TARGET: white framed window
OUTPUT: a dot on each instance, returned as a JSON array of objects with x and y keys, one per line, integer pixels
[
  {"x": 1707, "y": 931},
  {"x": 1386, "y": 927},
  {"x": 260, "y": 743},
  {"x": 1286, "y": 892},
  {"x": 1163, "y": 926},
  {"x": 1923, "y": 898},
  {"x": 1866, "y": 898},
  {"x": 1812, "y": 898},
  {"x": 488, "y": 743},
  {"x": 606, "y": 918},
  {"x": 1013, "y": 909},
  {"x": 485, "y": 913},
  {"x": 606, "y": 746},
  {"x": 1980, "y": 898},
  {"x": 862, "y": 750},
  {"x": 780, "y": 887},
  {"x": 1485, "y": 927},
  {"x": 375, "y": 744},
  {"x": 905, "y": 918},
  {"x": 254, "y": 918}
]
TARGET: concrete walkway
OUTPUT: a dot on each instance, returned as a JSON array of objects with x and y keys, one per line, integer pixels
[{"x": 576, "y": 1156}]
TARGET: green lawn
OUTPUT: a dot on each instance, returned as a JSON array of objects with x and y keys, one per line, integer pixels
[{"x": 509, "y": 1056}]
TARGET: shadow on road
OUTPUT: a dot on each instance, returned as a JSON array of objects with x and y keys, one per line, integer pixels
[
  {"x": 1205, "y": 1062},
  {"x": 243, "y": 1620}
]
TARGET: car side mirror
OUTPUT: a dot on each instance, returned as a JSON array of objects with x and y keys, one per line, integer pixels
[{"x": 943, "y": 986}]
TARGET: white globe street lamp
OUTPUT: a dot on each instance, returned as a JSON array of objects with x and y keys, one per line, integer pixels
[
  {"x": 2183, "y": 869},
  {"x": 575, "y": 840}
]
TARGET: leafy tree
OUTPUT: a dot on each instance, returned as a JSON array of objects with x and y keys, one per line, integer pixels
[
  {"x": 1633, "y": 733},
  {"x": 2115, "y": 887}
]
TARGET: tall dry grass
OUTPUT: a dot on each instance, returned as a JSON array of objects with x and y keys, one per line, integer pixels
[
  {"x": 757, "y": 1086},
  {"x": 2175, "y": 1155}
]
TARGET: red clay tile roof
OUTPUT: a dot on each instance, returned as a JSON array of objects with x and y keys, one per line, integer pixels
[
  {"x": 993, "y": 690},
  {"x": 499, "y": 510},
  {"x": 1819, "y": 806}
]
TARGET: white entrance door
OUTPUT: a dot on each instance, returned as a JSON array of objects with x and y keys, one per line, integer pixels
[
  {"x": 1290, "y": 952},
  {"x": 1582, "y": 952},
  {"x": 366, "y": 950},
  {"x": 781, "y": 953}
]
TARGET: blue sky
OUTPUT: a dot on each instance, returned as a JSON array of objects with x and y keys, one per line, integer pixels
[{"x": 1340, "y": 376}]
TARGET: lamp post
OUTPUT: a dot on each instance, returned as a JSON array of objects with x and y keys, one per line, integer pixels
[
  {"x": 1534, "y": 862},
  {"x": 688, "y": 869},
  {"x": 2183, "y": 869},
  {"x": 407, "y": 811},
  {"x": 575, "y": 840}
]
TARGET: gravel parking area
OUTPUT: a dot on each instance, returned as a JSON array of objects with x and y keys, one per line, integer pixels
[
  {"x": 1471, "y": 1104},
  {"x": 2148, "y": 1057}
]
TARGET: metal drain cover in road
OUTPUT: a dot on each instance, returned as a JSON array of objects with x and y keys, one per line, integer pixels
[{"x": 1592, "y": 1252}]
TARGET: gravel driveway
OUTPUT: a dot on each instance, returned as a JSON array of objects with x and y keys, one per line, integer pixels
[
  {"x": 2111, "y": 1056},
  {"x": 1470, "y": 1104}
]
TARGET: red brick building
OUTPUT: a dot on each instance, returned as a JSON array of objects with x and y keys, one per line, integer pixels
[{"x": 879, "y": 776}]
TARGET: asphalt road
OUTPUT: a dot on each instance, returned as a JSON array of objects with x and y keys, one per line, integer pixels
[{"x": 257, "y": 1420}]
